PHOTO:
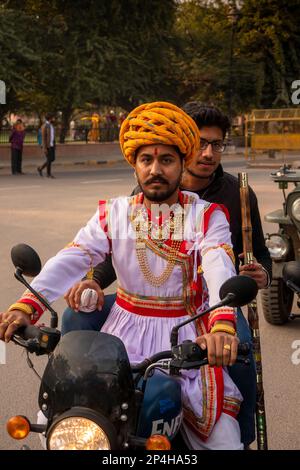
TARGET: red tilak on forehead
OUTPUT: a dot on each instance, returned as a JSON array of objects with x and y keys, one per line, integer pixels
[{"x": 155, "y": 151}]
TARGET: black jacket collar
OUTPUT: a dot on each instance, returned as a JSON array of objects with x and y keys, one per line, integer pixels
[{"x": 214, "y": 183}]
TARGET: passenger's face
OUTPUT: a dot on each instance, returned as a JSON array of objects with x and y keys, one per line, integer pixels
[{"x": 206, "y": 161}]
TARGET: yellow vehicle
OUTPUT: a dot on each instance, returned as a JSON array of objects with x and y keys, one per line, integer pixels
[{"x": 271, "y": 130}]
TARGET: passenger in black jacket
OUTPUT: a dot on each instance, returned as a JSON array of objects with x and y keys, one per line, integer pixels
[
  {"x": 224, "y": 189},
  {"x": 205, "y": 176}
]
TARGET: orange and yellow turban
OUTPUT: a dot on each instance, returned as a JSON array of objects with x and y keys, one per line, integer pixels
[{"x": 159, "y": 123}]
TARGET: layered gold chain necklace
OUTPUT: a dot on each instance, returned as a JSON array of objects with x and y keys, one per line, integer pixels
[{"x": 146, "y": 229}]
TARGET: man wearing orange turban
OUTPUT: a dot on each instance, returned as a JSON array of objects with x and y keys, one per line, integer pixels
[
  {"x": 170, "y": 260},
  {"x": 159, "y": 123}
]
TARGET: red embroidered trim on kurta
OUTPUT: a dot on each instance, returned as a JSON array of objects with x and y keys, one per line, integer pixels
[
  {"x": 209, "y": 211},
  {"x": 103, "y": 218}
]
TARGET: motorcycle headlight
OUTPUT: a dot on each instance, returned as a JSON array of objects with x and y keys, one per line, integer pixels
[
  {"x": 277, "y": 246},
  {"x": 77, "y": 433},
  {"x": 82, "y": 429},
  {"x": 296, "y": 209}
]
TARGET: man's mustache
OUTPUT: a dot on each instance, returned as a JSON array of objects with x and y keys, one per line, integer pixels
[{"x": 156, "y": 180}]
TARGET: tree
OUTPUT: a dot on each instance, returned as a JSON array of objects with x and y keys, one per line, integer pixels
[
  {"x": 269, "y": 32},
  {"x": 210, "y": 61},
  {"x": 17, "y": 57},
  {"x": 238, "y": 54},
  {"x": 110, "y": 52}
]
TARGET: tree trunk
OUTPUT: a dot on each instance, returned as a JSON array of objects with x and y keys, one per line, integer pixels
[
  {"x": 3, "y": 112},
  {"x": 128, "y": 103},
  {"x": 65, "y": 124}
]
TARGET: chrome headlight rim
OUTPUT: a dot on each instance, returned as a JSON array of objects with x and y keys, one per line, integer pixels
[
  {"x": 86, "y": 413},
  {"x": 285, "y": 248},
  {"x": 295, "y": 209}
]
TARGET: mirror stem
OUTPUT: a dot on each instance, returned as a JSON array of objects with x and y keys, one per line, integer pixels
[
  {"x": 174, "y": 333},
  {"x": 54, "y": 317}
]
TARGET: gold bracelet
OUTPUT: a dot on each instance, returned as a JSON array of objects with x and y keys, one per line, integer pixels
[
  {"x": 224, "y": 328},
  {"x": 25, "y": 308},
  {"x": 89, "y": 275}
]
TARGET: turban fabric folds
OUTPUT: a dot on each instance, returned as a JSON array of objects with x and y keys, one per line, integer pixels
[{"x": 159, "y": 123}]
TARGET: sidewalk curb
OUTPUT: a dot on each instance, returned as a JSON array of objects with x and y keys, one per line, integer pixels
[
  {"x": 91, "y": 163},
  {"x": 72, "y": 163},
  {"x": 268, "y": 165}
]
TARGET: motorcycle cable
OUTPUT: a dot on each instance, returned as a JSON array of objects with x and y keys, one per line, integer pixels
[{"x": 31, "y": 366}]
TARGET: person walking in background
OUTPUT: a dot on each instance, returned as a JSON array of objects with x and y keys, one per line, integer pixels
[
  {"x": 112, "y": 126},
  {"x": 48, "y": 144},
  {"x": 39, "y": 137},
  {"x": 16, "y": 140}
]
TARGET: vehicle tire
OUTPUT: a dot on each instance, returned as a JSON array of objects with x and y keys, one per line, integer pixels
[{"x": 277, "y": 302}]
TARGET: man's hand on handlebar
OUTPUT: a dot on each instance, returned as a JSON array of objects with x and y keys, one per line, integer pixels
[
  {"x": 221, "y": 347},
  {"x": 10, "y": 322}
]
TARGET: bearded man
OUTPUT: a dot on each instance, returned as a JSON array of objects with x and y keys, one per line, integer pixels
[{"x": 171, "y": 252}]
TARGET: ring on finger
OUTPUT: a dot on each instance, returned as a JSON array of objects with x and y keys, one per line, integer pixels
[
  {"x": 16, "y": 322},
  {"x": 227, "y": 347}
]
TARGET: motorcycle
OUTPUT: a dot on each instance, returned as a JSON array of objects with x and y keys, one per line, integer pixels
[
  {"x": 284, "y": 246},
  {"x": 90, "y": 394}
]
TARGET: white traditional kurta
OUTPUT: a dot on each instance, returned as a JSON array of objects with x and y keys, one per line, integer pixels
[{"x": 144, "y": 315}]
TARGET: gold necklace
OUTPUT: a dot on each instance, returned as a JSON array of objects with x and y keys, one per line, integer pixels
[
  {"x": 157, "y": 281},
  {"x": 144, "y": 229}
]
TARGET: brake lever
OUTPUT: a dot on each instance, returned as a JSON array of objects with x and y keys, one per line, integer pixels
[
  {"x": 177, "y": 364},
  {"x": 189, "y": 355},
  {"x": 31, "y": 345}
]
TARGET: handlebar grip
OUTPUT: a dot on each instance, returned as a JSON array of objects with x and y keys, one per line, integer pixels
[
  {"x": 28, "y": 332},
  {"x": 244, "y": 349},
  {"x": 40, "y": 341}
]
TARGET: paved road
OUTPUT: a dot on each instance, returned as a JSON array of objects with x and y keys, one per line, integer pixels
[{"x": 47, "y": 213}]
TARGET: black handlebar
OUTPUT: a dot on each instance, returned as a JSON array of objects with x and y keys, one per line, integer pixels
[
  {"x": 36, "y": 340},
  {"x": 28, "y": 332},
  {"x": 185, "y": 356},
  {"x": 244, "y": 349},
  {"x": 142, "y": 366}
]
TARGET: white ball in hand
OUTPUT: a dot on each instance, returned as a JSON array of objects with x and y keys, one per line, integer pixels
[{"x": 88, "y": 301}]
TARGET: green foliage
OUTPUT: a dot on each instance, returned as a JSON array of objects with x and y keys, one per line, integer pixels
[
  {"x": 17, "y": 57},
  {"x": 110, "y": 52},
  {"x": 212, "y": 65},
  {"x": 269, "y": 32},
  {"x": 67, "y": 55}
]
